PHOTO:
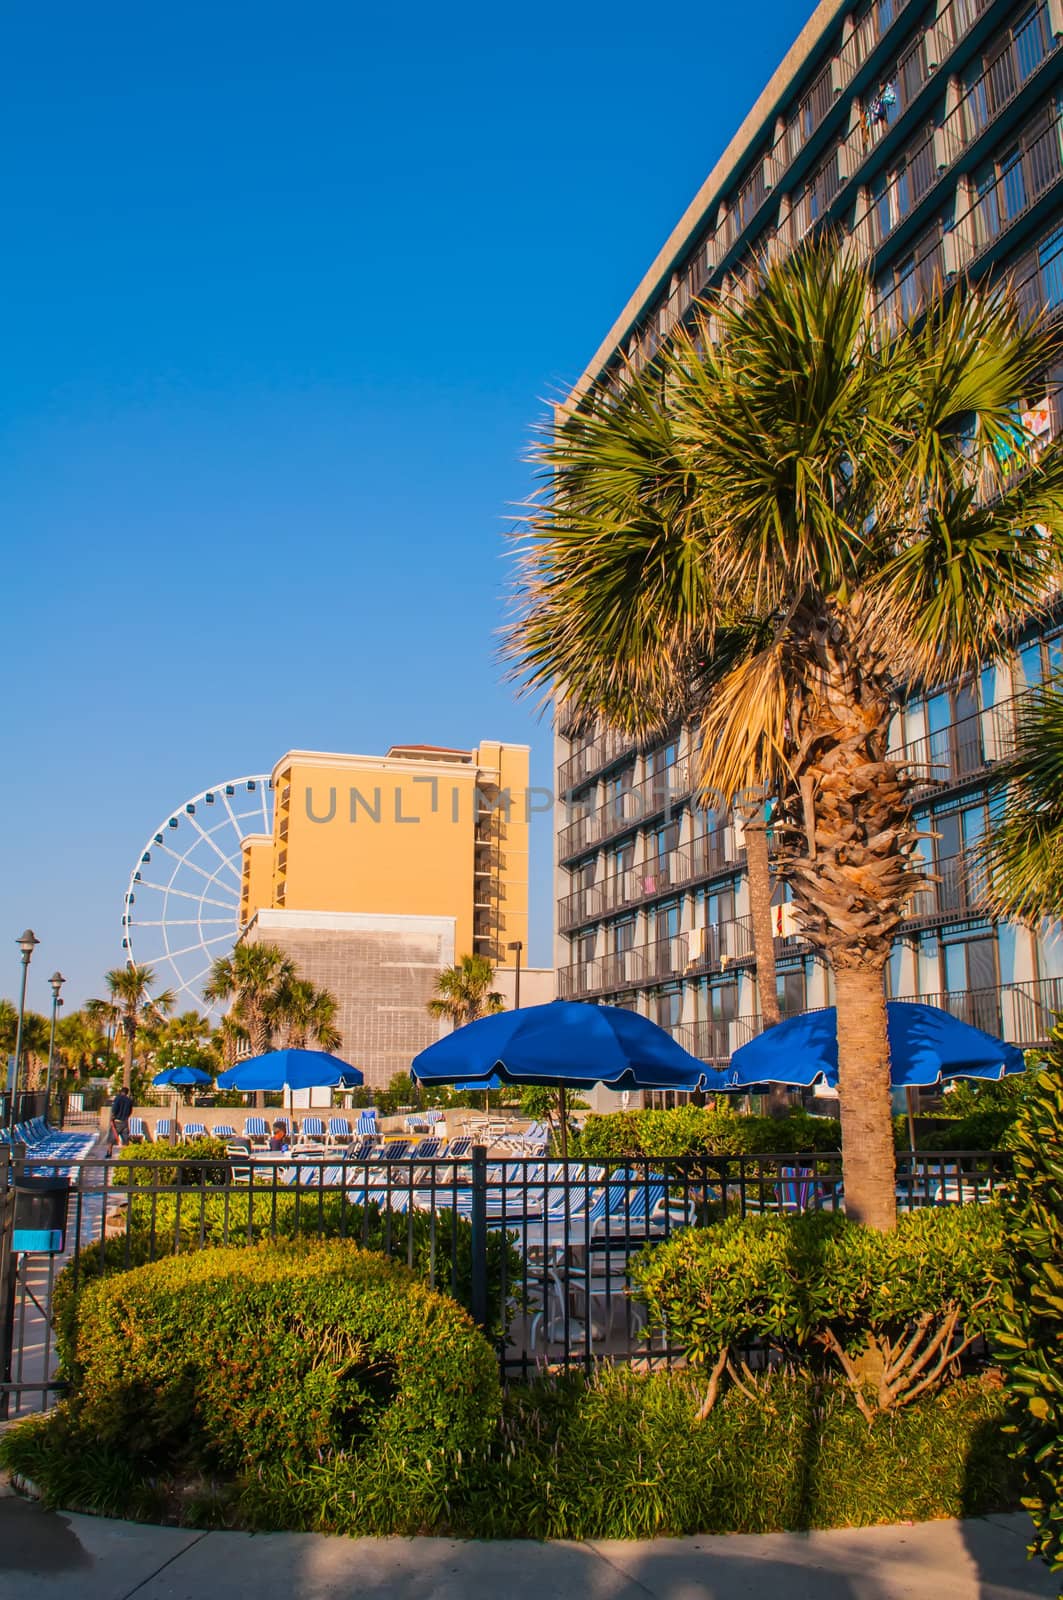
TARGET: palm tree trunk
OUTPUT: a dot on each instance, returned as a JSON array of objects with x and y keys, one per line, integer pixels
[
  {"x": 864, "y": 1092},
  {"x": 758, "y": 874},
  {"x": 130, "y": 1042}
]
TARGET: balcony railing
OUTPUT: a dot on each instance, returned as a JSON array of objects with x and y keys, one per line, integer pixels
[
  {"x": 1022, "y": 1013},
  {"x": 711, "y": 855},
  {"x": 716, "y": 1040},
  {"x": 959, "y": 891},
  {"x": 624, "y": 811},
  {"x": 591, "y": 757},
  {"x": 720, "y": 945},
  {"x": 962, "y": 749}
]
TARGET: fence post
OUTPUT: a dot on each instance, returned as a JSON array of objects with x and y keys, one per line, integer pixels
[
  {"x": 7, "y": 1280},
  {"x": 478, "y": 1242}
]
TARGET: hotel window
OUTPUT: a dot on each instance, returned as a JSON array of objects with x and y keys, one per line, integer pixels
[
  {"x": 666, "y": 921},
  {"x": 620, "y": 788},
  {"x": 790, "y": 992},
  {"x": 623, "y": 858},
  {"x": 903, "y": 184},
  {"x": 583, "y": 949},
  {"x": 668, "y": 1006},
  {"x": 623, "y": 935},
  {"x": 723, "y": 1002},
  {"x": 716, "y": 906}
]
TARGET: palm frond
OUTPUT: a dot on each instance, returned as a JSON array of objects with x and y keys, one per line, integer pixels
[{"x": 1023, "y": 854}]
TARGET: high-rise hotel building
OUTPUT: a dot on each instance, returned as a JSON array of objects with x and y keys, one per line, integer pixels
[{"x": 932, "y": 135}]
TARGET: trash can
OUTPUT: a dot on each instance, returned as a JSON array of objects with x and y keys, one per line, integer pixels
[{"x": 40, "y": 1215}]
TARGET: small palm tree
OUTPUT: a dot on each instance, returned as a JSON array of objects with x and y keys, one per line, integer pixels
[
  {"x": 136, "y": 1007},
  {"x": 1024, "y": 852},
  {"x": 254, "y": 978},
  {"x": 773, "y": 531},
  {"x": 464, "y": 992},
  {"x": 309, "y": 1013}
]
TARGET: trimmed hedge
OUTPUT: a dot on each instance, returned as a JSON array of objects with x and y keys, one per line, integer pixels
[
  {"x": 147, "y": 1166},
  {"x": 702, "y": 1130},
  {"x": 282, "y": 1368},
  {"x": 894, "y": 1310},
  {"x": 164, "y": 1225},
  {"x": 614, "y": 1456}
]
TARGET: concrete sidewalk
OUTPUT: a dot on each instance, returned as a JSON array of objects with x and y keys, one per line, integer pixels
[{"x": 43, "y": 1555}]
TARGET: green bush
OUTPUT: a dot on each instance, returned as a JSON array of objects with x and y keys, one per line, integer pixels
[
  {"x": 615, "y": 1455},
  {"x": 703, "y": 1131},
  {"x": 149, "y": 1167},
  {"x": 170, "y": 1224},
  {"x": 895, "y": 1311},
  {"x": 277, "y": 1366},
  {"x": 1029, "y": 1332},
  {"x": 981, "y": 1130}
]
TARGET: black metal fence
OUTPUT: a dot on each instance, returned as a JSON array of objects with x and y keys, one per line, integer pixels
[{"x": 539, "y": 1252}]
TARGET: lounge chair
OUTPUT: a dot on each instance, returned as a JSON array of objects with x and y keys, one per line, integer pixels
[
  {"x": 367, "y": 1124},
  {"x": 224, "y": 1130},
  {"x": 165, "y": 1130},
  {"x": 312, "y": 1131},
  {"x": 138, "y": 1129},
  {"x": 339, "y": 1130},
  {"x": 194, "y": 1130},
  {"x": 256, "y": 1129}
]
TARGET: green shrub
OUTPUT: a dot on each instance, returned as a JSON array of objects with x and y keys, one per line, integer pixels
[
  {"x": 148, "y": 1167},
  {"x": 703, "y": 1131},
  {"x": 894, "y": 1310},
  {"x": 269, "y": 1366},
  {"x": 158, "y": 1226},
  {"x": 1029, "y": 1332},
  {"x": 615, "y": 1455},
  {"x": 982, "y": 1130}
]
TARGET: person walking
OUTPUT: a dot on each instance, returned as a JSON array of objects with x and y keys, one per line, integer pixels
[{"x": 121, "y": 1111}]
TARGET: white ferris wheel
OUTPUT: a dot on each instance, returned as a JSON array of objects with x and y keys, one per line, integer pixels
[{"x": 182, "y": 906}]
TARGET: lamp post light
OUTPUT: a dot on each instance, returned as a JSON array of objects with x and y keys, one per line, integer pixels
[
  {"x": 57, "y": 981},
  {"x": 518, "y": 946},
  {"x": 27, "y": 943}
]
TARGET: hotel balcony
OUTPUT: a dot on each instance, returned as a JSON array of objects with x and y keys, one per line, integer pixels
[
  {"x": 714, "y": 854},
  {"x": 626, "y": 811}
]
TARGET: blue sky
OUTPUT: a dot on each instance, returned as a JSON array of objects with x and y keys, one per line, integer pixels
[{"x": 284, "y": 292}]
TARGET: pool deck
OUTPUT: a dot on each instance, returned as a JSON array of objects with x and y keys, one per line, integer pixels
[{"x": 44, "y": 1555}]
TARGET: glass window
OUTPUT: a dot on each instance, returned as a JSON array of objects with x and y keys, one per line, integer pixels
[
  {"x": 624, "y": 857},
  {"x": 669, "y": 1008},
  {"x": 1031, "y": 45},
  {"x": 1031, "y": 666},
  {"x": 624, "y": 935},
  {"x": 790, "y": 990},
  {"x": 723, "y": 1002},
  {"x": 666, "y": 920},
  {"x": 1014, "y": 182}
]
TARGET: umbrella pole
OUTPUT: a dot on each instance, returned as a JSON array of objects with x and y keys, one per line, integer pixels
[
  {"x": 176, "y": 1103},
  {"x": 562, "y": 1099},
  {"x": 911, "y": 1118}
]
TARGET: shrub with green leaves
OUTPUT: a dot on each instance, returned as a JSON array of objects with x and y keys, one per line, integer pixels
[
  {"x": 614, "y": 1454},
  {"x": 1029, "y": 1329},
  {"x": 147, "y": 1166},
  {"x": 286, "y": 1363},
  {"x": 895, "y": 1311},
  {"x": 703, "y": 1131},
  {"x": 436, "y": 1248}
]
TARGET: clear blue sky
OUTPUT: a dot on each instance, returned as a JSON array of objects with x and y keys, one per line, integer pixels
[{"x": 284, "y": 291}]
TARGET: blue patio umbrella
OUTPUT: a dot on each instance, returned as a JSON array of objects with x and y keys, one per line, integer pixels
[
  {"x": 566, "y": 1044},
  {"x": 288, "y": 1070},
  {"x": 926, "y": 1044},
  {"x": 182, "y": 1078}
]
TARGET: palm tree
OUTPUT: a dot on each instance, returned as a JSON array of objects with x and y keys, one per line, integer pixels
[
  {"x": 1024, "y": 852},
  {"x": 309, "y": 1014},
  {"x": 774, "y": 530},
  {"x": 136, "y": 1007},
  {"x": 254, "y": 978},
  {"x": 80, "y": 1040},
  {"x": 463, "y": 992}
]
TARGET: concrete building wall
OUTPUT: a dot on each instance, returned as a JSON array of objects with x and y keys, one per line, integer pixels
[{"x": 382, "y": 970}]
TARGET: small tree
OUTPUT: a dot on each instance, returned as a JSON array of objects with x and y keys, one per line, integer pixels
[
  {"x": 1024, "y": 850},
  {"x": 1029, "y": 1337},
  {"x": 130, "y": 991},
  {"x": 463, "y": 992}
]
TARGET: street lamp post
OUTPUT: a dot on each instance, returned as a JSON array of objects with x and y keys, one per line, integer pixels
[
  {"x": 518, "y": 946},
  {"x": 57, "y": 981},
  {"x": 27, "y": 943}
]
